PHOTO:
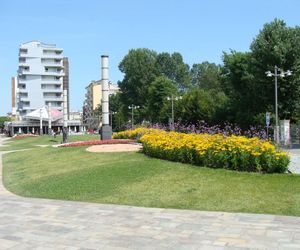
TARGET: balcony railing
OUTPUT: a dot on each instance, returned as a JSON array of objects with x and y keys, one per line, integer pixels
[
  {"x": 53, "y": 98},
  {"x": 53, "y": 73},
  {"x": 52, "y": 56}
]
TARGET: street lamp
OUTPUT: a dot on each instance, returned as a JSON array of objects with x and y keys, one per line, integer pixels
[
  {"x": 172, "y": 98},
  {"x": 281, "y": 73},
  {"x": 132, "y": 107}
]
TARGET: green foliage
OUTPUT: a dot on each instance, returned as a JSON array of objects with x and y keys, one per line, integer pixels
[
  {"x": 173, "y": 67},
  {"x": 201, "y": 105},
  {"x": 206, "y": 76},
  {"x": 250, "y": 91},
  {"x": 277, "y": 44},
  {"x": 159, "y": 90},
  {"x": 146, "y": 73},
  {"x": 139, "y": 70},
  {"x": 238, "y": 91},
  {"x": 4, "y": 119}
]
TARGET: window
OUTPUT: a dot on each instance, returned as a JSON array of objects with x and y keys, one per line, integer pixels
[
  {"x": 25, "y": 104},
  {"x": 22, "y": 77},
  {"x": 23, "y": 51},
  {"x": 25, "y": 95},
  {"x": 22, "y": 86}
]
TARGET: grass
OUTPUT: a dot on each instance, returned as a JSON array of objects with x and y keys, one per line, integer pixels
[
  {"x": 30, "y": 142},
  {"x": 135, "y": 179}
]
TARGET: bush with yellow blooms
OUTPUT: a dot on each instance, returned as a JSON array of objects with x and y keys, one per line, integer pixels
[{"x": 215, "y": 151}]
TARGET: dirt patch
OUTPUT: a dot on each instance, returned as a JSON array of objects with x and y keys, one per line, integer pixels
[{"x": 114, "y": 148}]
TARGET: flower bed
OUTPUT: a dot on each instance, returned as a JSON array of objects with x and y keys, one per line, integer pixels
[
  {"x": 95, "y": 142},
  {"x": 216, "y": 151},
  {"x": 134, "y": 134},
  {"x": 24, "y": 136}
]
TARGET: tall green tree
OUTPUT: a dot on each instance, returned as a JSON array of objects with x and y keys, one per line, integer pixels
[
  {"x": 206, "y": 75},
  {"x": 277, "y": 44},
  {"x": 241, "y": 87},
  {"x": 139, "y": 70},
  {"x": 159, "y": 90},
  {"x": 251, "y": 92},
  {"x": 201, "y": 105},
  {"x": 2, "y": 120},
  {"x": 173, "y": 67}
]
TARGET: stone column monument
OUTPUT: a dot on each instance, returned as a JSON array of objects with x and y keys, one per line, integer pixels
[
  {"x": 105, "y": 130},
  {"x": 65, "y": 100}
]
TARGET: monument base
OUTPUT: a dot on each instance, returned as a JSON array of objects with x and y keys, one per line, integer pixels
[
  {"x": 65, "y": 135},
  {"x": 105, "y": 132}
]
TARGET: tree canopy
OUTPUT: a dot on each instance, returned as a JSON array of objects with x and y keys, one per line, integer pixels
[{"x": 237, "y": 91}]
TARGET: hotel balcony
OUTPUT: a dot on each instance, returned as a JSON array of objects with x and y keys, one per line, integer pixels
[
  {"x": 52, "y": 64},
  {"x": 23, "y": 64},
  {"x": 53, "y": 98},
  {"x": 53, "y": 73},
  {"x": 52, "y": 56},
  {"x": 23, "y": 71}
]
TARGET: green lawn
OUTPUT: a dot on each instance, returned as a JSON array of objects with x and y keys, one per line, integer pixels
[
  {"x": 29, "y": 142},
  {"x": 135, "y": 179}
]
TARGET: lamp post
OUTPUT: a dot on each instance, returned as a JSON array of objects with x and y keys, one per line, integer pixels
[
  {"x": 41, "y": 122},
  {"x": 281, "y": 73},
  {"x": 132, "y": 107},
  {"x": 49, "y": 119},
  {"x": 172, "y": 98}
]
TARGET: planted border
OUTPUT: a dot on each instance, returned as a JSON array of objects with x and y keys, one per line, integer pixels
[
  {"x": 96, "y": 142},
  {"x": 215, "y": 151}
]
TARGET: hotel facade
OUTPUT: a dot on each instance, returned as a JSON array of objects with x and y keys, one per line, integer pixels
[{"x": 41, "y": 74}]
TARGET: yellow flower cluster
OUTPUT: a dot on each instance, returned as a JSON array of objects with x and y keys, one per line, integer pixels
[
  {"x": 217, "y": 151},
  {"x": 133, "y": 133},
  {"x": 232, "y": 152},
  {"x": 203, "y": 142}
]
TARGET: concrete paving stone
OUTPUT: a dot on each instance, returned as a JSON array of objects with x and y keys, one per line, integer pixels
[
  {"x": 236, "y": 241},
  {"x": 22, "y": 246},
  {"x": 12, "y": 238},
  {"x": 289, "y": 246},
  {"x": 71, "y": 248},
  {"x": 115, "y": 248}
]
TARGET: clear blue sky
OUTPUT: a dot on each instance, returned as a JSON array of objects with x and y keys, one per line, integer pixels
[{"x": 200, "y": 30}]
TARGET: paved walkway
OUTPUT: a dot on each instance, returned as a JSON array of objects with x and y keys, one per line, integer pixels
[
  {"x": 294, "y": 166},
  {"x": 28, "y": 223}
]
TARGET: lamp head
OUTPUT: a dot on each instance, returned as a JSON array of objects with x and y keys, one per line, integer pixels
[
  {"x": 289, "y": 72},
  {"x": 268, "y": 73}
]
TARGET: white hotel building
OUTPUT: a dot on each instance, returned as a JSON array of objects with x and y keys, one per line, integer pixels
[{"x": 40, "y": 78}]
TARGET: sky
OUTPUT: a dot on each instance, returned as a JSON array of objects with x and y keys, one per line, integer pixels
[{"x": 199, "y": 30}]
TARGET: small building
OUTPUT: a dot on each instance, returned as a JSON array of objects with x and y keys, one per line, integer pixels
[{"x": 41, "y": 121}]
